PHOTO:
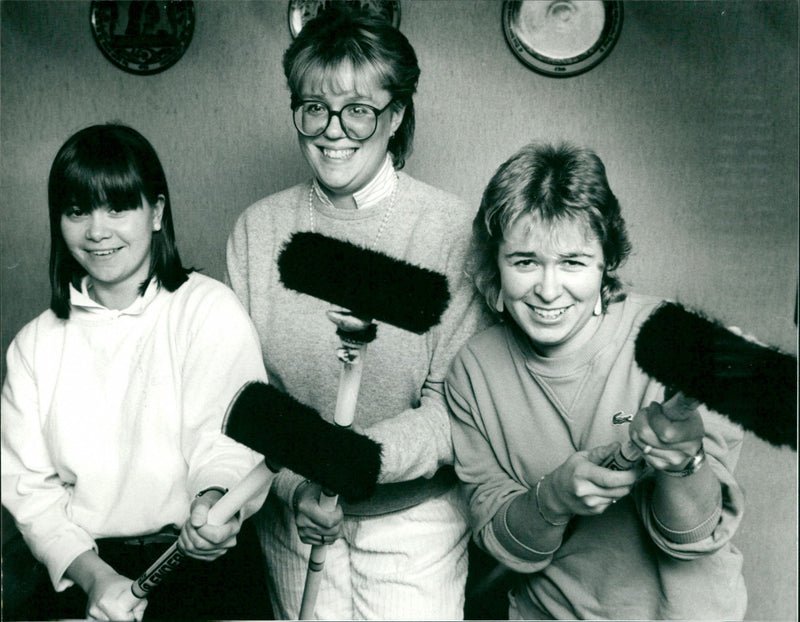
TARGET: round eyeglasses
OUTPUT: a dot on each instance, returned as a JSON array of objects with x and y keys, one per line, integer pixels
[{"x": 358, "y": 121}]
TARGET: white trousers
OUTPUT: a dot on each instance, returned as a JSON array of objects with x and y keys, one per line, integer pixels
[{"x": 408, "y": 565}]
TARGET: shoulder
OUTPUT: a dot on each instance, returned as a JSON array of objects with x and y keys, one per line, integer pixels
[
  {"x": 205, "y": 295},
  {"x": 274, "y": 205},
  {"x": 434, "y": 198},
  {"x": 484, "y": 348},
  {"x": 438, "y": 222},
  {"x": 635, "y": 309},
  {"x": 37, "y": 330}
]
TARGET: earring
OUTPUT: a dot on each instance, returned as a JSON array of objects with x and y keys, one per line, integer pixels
[
  {"x": 598, "y": 307},
  {"x": 499, "y": 304}
]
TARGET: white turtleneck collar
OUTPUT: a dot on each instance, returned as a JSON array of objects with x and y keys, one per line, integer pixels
[{"x": 379, "y": 188}]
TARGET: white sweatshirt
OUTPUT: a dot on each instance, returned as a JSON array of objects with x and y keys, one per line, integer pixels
[{"x": 111, "y": 420}]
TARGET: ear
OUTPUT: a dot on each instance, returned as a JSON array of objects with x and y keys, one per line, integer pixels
[
  {"x": 158, "y": 212},
  {"x": 397, "y": 118}
]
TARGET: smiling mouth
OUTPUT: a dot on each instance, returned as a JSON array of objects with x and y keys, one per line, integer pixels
[
  {"x": 103, "y": 253},
  {"x": 548, "y": 314},
  {"x": 337, "y": 154}
]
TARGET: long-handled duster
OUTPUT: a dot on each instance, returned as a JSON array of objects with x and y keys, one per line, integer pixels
[
  {"x": 288, "y": 434},
  {"x": 752, "y": 384},
  {"x": 374, "y": 287}
]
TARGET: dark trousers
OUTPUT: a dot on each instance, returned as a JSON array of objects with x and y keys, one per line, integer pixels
[{"x": 232, "y": 587}]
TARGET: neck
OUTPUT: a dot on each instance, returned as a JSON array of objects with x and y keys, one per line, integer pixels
[
  {"x": 577, "y": 341},
  {"x": 340, "y": 201},
  {"x": 112, "y": 297}
]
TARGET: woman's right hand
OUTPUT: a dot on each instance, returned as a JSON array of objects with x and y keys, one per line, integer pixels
[
  {"x": 109, "y": 593},
  {"x": 315, "y": 524},
  {"x": 581, "y": 486},
  {"x": 110, "y": 598}
]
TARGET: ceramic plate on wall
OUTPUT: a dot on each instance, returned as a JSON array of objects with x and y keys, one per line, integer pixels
[
  {"x": 300, "y": 11},
  {"x": 561, "y": 37},
  {"x": 142, "y": 36}
]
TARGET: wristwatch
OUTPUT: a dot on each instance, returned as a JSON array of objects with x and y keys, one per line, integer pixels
[{"x": 692, "y": 467}]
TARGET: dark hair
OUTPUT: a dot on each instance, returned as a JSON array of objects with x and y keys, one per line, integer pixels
[
  {"x": 110, "y": 165},
  {"x": 342, "y": 35},
  {"x": 555, "y": 183}
]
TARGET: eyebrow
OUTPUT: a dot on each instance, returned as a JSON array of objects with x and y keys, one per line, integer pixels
[
  {"x": 324, "y": 97},
  {"x": 531, "y": 254}
]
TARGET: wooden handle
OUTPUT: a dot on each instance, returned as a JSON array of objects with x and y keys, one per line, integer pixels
[
  {"x": 258, "y": 479},
  {"x": 316, "y": 562},
  {"x": 346, "y": 399}
]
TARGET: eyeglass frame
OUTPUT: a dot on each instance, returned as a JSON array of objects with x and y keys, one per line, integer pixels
[{"x": 338, "y": 113}]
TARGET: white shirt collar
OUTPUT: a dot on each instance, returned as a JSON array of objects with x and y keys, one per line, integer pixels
[{"x": 379, "y": 187}]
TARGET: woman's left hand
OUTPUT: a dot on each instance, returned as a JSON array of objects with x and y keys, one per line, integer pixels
[
  {"x": 669, "y": 434},
  {"x": 316, "y": 524},
  {"x": 207, "y": 542}
]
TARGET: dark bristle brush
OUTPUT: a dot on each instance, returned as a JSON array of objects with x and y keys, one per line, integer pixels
[
  {"x": 754, "y": 385},
  {"x": 367, "y": 283}
]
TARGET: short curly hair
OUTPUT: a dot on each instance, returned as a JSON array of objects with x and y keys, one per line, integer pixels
[{"x": 554, "y": 183}]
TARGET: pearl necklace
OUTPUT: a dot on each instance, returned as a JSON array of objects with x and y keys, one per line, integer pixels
[{"x": 386, "y": 216}]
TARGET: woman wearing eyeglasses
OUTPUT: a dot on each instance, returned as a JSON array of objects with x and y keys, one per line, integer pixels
[{"x": 401, "y": 554}]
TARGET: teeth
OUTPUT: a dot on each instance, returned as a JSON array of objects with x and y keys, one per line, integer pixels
[
  {"x": 550, "y": 314},
  {"x": 338, "y": 154},
  {"x": 102, "y": 253}
]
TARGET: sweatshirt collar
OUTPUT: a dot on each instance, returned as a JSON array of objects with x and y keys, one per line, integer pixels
[{"x": 80, "y": 298}]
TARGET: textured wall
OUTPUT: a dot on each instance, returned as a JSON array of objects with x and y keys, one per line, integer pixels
[{"x": 695, "y": 113}]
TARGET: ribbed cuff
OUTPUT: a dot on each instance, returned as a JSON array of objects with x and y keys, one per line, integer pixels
[
  {"x": 703, "y": 530},
  {"x": 522, "y": 545}
]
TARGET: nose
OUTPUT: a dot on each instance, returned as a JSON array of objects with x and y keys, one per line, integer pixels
[
  {"x": 97, "y": 227},
  {"x": 334, "y": 129},
  {"x": 548, "y": 287}
]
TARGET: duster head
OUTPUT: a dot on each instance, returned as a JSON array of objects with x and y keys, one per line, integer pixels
[
  {"x": 753, "y": 384},
  {"x": 367, "y": 283},
  {"x": 293, "y": 435}
]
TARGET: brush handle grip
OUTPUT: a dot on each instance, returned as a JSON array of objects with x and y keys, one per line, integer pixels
[
  {"x": 316, "y": 562},
  {"x": 624, "y": 459},
  {"x": 259, "y": 478},
  {"x": 679, "y": 407}
]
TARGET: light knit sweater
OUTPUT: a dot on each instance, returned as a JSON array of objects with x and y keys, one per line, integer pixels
[
  {"x": 518, "y": 416},
  {"x": 401, "y": 401},
  {"x": 112, "y": 419}
]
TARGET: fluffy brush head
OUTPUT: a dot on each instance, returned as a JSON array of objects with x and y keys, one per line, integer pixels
[
  {"x": 753, "y": 384},
  {"x": 293, "y": 435},
  {"x": 367, "y": 283}
]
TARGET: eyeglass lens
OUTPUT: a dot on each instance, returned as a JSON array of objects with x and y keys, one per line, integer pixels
[{"x": 358, "y": 120}]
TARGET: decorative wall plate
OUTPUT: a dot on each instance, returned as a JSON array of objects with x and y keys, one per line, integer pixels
[
  {"x": 561, "y": 37},
  {"x": 142, "y": 36},
  {"x": 300, "y": 11}
]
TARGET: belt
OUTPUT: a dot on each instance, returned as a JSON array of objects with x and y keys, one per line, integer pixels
[{"x": 166, "y": 535}]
